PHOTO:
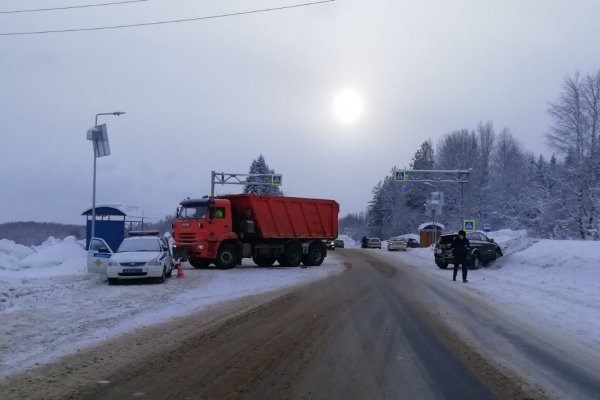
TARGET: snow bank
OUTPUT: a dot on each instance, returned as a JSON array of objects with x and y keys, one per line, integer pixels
[
  {"x": 348, "y": 241},
  {"x": 11, "y": 253},
  {"x": 54, "y": 252},
  {"x": 55, "y": 257},
  {"x": 505, "y": 235}
]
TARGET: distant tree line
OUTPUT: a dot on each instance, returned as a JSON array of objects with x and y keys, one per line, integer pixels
[
  {"x": 511, "y": 187},
  {"x": 35, "y": 233}
]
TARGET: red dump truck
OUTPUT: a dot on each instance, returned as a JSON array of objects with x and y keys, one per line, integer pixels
[{"x": 224, "y": 229}]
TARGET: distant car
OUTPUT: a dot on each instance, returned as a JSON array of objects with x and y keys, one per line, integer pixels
[
  {"x": 483, "y": 250},
  {"x": 373, "y": 243},
  {"x": 142, "y": 255},
  {"x": 339, "y": 243},
  {"x": 412, "y": 243},
  {"x": 330, "y": 244},
  {"x": 397, "y": 243}
]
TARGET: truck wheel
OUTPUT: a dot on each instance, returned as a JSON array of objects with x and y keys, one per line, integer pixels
[
  {"x": 199, "y": 263},
  {"x": 227, "y": 257},
  {"x": 264, "y": 261},
  {"x": 292, "y": 255},
  {"x": 316, "y": 254}
]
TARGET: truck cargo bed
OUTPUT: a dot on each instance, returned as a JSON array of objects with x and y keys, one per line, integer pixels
[{"x": 288, "y": 217}]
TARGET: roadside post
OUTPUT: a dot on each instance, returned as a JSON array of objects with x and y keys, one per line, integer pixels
[{"x": 99, "y": 136}]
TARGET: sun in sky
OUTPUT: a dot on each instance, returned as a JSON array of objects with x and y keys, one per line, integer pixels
[{"x": 348, "y": 106}]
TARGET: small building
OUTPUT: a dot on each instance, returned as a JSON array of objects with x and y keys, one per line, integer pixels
[
  {"x": 113, "y": 221},
  {"x": 429, "y": 233}
]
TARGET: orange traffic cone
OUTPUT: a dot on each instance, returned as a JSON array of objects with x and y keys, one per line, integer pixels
[{"x": 180, "y": 270}]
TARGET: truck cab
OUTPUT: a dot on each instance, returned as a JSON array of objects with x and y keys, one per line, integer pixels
[{"x": 200, "y": 226}]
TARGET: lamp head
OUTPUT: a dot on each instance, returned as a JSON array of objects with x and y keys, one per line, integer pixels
[{"x": 117, "y": 113}]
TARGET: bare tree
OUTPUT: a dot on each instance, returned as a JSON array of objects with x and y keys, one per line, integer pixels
[
  {"x": 574, "y": 133},
  {"x": 457, "y": 150},
  {"x": 509, "y": 187},
  {"x": 486, "y": 138}
]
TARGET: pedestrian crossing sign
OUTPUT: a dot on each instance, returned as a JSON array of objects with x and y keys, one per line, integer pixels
[
  {"x": 469, "y": 225},
  {"x": 400, "y": 175},
  {"x": 276, "y": 180}
]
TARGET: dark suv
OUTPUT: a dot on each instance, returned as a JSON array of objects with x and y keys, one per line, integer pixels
[{"x": 483, "y": 250}]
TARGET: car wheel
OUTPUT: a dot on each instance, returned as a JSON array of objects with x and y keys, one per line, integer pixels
[
  {"x": 170, "y": 271},
  {"x": 162, "y": 277},
  {"x": 475, "y": 262},
  {"x": 442, "y": 266},
  {"x": 113, "y": 281},
  {"x": 499, "y": 253},
  {"x": 227, "y": 257}
]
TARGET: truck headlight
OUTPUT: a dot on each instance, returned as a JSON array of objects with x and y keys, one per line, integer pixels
[
  {"x": 154, "y": 263},
  {"x": 200, "y": 247}
]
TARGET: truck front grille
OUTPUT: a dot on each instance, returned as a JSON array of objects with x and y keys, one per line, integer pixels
[{"x": 187, "y": 238}]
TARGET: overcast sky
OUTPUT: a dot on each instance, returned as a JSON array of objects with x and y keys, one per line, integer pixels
[{"x": 214, "y": 94}]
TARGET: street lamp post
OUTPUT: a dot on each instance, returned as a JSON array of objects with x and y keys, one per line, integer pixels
[{"x": 95, "y": 137}]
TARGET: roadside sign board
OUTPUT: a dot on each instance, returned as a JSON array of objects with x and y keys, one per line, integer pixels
[
  {"x": 469, "y": 225},
  {"x": 400, "y": 176},
  {"x": 99, "y": 136},
  {"x": 487, "y": 227},
  {"x": 276, "y": 180}
]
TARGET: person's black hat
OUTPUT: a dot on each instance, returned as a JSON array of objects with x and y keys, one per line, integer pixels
[{"x": 461, "y": 232}]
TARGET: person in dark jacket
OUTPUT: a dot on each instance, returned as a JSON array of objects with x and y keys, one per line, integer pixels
[
  {"x": 461, "y": 249},
  {"x": 363, "y": 242}
]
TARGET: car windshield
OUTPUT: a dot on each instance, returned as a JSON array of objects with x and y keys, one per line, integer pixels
[
  {"x": 192, "y": 212},
  {"x": 149, "y": 244}
]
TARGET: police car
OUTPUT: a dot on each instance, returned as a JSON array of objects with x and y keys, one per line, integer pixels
[{"x": 144, "y": 254}]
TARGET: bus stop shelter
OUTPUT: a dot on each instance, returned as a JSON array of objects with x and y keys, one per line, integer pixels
[
  {"x": 113, "y": 221},
  {"x": 429, "y": 233}
]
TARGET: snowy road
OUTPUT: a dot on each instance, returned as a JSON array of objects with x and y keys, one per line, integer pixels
[
  {"x": 379, "y": 330},
  {"x": 529, "y": 319}
]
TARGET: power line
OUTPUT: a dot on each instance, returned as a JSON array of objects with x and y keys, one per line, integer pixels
[
  {"x": 175, "y": 21},
  {"x": 31, "y": 10}
]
